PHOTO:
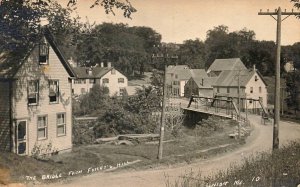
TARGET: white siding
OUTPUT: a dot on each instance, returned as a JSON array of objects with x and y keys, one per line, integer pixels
[
  {"x": 256, "y": 93},
  {"x": 31, "y": 70},
  {"x": 113, "y": 85}
]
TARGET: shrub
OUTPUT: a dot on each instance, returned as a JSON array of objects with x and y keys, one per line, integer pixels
[{"x": 43, "y": 152}]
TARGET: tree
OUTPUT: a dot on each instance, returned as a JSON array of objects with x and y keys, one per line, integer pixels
[
  {"x": 20, "y": 21},
  {"x": 20, "y": 25},
  {"x": 192, "y": 53},
  {"x": 128, "y": 48},
  {"x": 95, "y": 101},
  {"x": 293, "y": 88}
]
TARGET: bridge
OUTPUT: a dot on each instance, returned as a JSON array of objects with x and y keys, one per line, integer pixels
[{"x": 199, "y": 107}]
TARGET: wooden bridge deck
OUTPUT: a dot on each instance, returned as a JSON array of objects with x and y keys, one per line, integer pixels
[{"x": 209, "y": 111}]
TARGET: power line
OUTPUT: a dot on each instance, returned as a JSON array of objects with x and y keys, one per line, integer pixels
[{"x": 277, "y": 13}]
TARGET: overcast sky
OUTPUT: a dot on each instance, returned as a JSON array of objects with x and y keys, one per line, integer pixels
[{"x": 179, "y": 20}]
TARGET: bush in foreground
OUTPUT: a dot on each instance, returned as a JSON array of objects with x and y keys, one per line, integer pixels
[{"x": 282, "y": 168}]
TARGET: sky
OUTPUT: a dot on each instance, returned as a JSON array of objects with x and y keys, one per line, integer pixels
[{"x": 179, "y": 20}]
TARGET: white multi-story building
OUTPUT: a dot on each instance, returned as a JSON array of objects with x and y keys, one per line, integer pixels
[{"x": 87, "y": 77}]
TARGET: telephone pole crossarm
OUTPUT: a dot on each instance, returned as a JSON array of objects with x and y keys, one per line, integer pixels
[{"x": 282, "y": 13}]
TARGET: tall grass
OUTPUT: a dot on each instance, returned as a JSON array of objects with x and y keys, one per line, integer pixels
[{"x": 281, "y": 168}]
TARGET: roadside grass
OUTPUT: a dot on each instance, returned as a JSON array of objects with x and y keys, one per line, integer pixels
[
  {"x": 282, "y": 168},
  {"x": 186, "y": 148}
]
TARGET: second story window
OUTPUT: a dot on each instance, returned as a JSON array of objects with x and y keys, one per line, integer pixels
[
  {"x": 33, "y": 92},
  {"x": 53, "y": 91},
  {"x": 120, "y": 80},
  {"x": 43, "y": 53},
  {"x": 105, "y": 81},
  {"x": 228, "y": 90}
]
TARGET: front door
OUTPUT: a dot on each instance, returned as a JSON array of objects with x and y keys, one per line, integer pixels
[{"x": 21, "y": 137}]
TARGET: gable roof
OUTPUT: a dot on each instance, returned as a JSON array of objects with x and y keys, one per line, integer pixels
[
  {"x": 207, "y": 81},
  {"x": 97, "y": 72},
  {"x": 50, "y": 38},
  {"x": 198, "y": 73},
  {"x": 172, "y": 69},
  {"x": 230, "y": 78},
  {"x": 185, "y": 73},
  {"x": 10, "y": 63},
  {"x": 227, "y": 64}
]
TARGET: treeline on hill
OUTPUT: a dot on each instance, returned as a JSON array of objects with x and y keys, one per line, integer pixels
[{"x": 132, "y": 49}]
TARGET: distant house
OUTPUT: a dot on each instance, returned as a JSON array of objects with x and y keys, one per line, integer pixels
[
  {"x": 35, "y": 99},
  {"x": 107, "y": 76},
  {"x": 251, "y": 83},
  {"x": 178, "y": 76},
  {"x": 220, "y": 65},
  {"x": 200, "y": 86}
]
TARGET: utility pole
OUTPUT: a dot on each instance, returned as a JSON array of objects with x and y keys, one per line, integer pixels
[
  {"x": 239, "y": 104},
  {"x": 163, "y": 121},
  {"x": 277, "y": 77}
]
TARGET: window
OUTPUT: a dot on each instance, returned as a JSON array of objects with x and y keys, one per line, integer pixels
[
  {"x": 33, "y": 92},
  {"x": 43, "y": 53},
  {"x": 251, "y": 89},
  {"x": 53, "y": 91},
  {"x": 105, "y": 80},
  {"x": 228, "y": 90},
  {"x": 176, "y": 76},
  {"x": 61, "y": 124},
  {"x": 113, "y": 71},
  {"x": 42, "y": 127},
  {"x": 120, "y": 80},
  {"x": 218, "y": 90},
  {"x": 259, "y": 89},
  {"x": 122, "y": 91},
  {"x": 92, "y": 81},
  {"x": 82, "y": 90},
  {"x": 256, "y": 78},
  {"x": 175, "y": 82},
  {"x": 77, "y": 81}
]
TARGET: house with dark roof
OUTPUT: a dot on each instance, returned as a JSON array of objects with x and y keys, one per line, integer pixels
[
  {"x": 35, "y": 99},
  {"x": 178, "y": 76},
  {"x": 229, "y": 64},
  {"x": 200, "y": 86},
  {"x": 250, "y": 82},
  {"x": 87, "y": 77}
]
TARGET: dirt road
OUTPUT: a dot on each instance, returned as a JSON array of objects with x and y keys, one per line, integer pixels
[{"x": 260, "y": 139}]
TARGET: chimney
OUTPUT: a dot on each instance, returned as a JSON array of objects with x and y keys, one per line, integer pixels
[
  {"x": 72, "y": 63},
  {"x": 101, "y": 64},
  {"x": 254, "y": 68},
  {"x": 108, "y": 64},
  {"x": 202, "y": 83},
  {"x": 89, "y": 71}
]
